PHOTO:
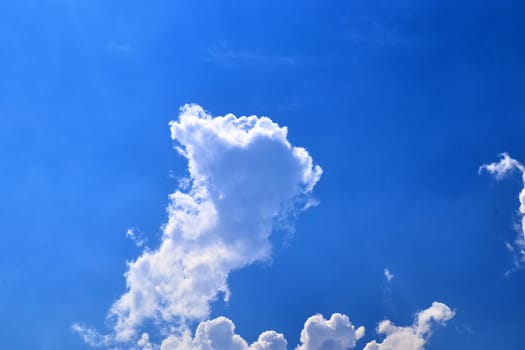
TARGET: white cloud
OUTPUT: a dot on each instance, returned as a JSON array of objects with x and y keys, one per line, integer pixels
[
  {"x": 500, "y": 169},
  {"x": 413, "y": 337},
  {"x": 388, "y": 275},
  {"x": 90, "y": 336},
  {"x": 270, "y": 340},
  {"x": 144, "y": 342},
  {"x": 337, "y": 333},
  {"x": 219, "y": 334},
  {"x": 244, "y": 176},
  {"x": 503, "y": 167},
  {"x": 136, "y": 236},
  {"x": 244, "y": 179}
]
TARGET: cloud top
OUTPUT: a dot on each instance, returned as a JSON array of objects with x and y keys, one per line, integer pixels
[{"x": 337, "y": 333}]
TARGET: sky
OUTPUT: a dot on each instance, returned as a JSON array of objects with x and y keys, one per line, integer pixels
[{"x": 262, "y": 175}]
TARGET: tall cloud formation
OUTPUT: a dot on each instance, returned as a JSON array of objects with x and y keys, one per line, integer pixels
[
  {"x": 415, "y": 336},
  {"x": 244, "y": 176},
  {"x": 244, "y": 179},
  {"x": 500, "y": 170}
]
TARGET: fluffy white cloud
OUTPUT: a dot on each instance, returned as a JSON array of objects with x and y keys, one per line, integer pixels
[
  {"x": 244, "y": 176},
  {"x": 270, "y": 340},
  {"x": 337, "y": 333},
  {"x": 415, "y": 336},
  {"x": 500, "y": 169},
  {"x": 219, "y": 334}
]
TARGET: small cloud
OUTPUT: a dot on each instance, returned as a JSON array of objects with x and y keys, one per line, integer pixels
[
  {"x": 136, "y": 236},
  {"x": 413, "y": 337},
  {"x": 144, "y": 342},
  {"x": 90, "y": 336},
  {"x": 224, "y": 54},
  {"x": 504, "y": 167},
  {"x": 336, "y": 333},
  {"x": 388, "y": 275},
  {"x": 219, "y": 333}
]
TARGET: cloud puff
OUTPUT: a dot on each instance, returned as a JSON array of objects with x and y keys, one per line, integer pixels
[
  {"x": 244, "y": 179},
  {"x": 219, "y": 334},
  {"x": 244, "y": 176},
  {"x": 415, "y": 336},
  {"x": 500, "y": 169},
  {"x": 337, "y": 333}
]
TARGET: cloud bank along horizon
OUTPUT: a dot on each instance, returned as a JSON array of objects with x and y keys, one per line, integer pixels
[{"x": 244, "y": 180}]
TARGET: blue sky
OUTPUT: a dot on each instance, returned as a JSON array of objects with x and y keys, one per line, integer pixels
[{"x": 399, "y": 102}]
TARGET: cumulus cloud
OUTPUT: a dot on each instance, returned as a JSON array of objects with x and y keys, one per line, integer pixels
[
  {"x": 219, "y": 334},
  {"x": 413, "y": 337},
  {"x": 337, "y": 333},
  {"x": 243, "y": 177},
  {"x": 504, "y": 167},
  {"x": 244, "y": 180}
]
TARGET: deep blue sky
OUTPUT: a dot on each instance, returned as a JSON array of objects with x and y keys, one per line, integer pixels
[{"x": 400, "y": 102}]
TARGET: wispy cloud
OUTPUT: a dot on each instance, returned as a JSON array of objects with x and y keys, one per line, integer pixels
[
  {"x": 413, "y": 337},
  {"x": 500, "y": 170},
  {"x": 136, "y": 236},
  {"x": 226, "y": 55}
]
